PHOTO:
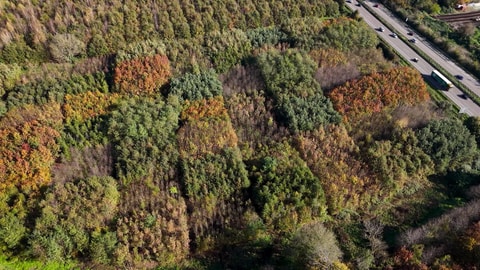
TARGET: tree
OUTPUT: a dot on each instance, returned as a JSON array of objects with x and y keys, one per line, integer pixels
[
  {"x": 28, "y": 146},
  {"x": 449, "y": 144},
  {"x": 467, "y": 249},
  {"x": 9, "y": 74},
  {"x": 227, "y": 48},
  {"x": 97, "y": 46},
  {"x": 334, "y": 158},
  {"x": 285, "y": 192},
  {"x": 65, "y": 47},
  {"x": 379, "y": 91},
  {"x": 74, "y": 216},
  {"x": 313, "y": 246},
  {"x": 142, "y": 76},
  {"x": 400, "y": 161},
  {"x": 347, "y": 34},
  {"x": 473, "y": 124},
  {"x": 193, "y": 86},
  {"x": 142, "y": 131},
  {"x": 299, "y": 102}
]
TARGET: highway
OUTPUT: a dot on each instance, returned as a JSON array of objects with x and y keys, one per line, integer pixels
[{"x": 465, "y": 104}]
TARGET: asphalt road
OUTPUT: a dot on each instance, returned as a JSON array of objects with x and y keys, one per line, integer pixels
[{"x": 465, "y": 104}]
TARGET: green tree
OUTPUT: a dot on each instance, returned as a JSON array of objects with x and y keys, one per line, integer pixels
[
  {"x": 142, "y": 132},
  {"x": 449, "y": 144},
  {"x": 473, "y": 124},
  {"x": 400, "y": 161},
  {"x": 197, "y": 86},
  {"x": 97, "y": 46},
  {"x": 227, "y": 48},
  {"x": 13, "y": 213},
  {"x": 285, "y": 192},
  {"x": 300, "y": 103},
  {"x": 9, "y": 74},
  {"x": 265, "y": 36},
  {"x": 347, "y": 35}
]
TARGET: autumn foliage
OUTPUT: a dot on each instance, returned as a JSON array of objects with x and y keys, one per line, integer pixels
[
  {"x": 204, "y": 108},
  {"x": 142, "y": 76},
  {"x": 378, "y": 91},
  {"x": 207, "y": 128},
  {"x": 333, "y": 157},
  {"x": 28, "y": 146},
  {"x": 87, "y": 105}
]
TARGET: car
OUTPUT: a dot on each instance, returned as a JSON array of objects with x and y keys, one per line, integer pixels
[
  {"x": 413, "y": 40},
  {"x": 410, "y": 33},
  {"x": 415, "y": 59},
  {"x": 393, "y": 35},
  {"x": 380, "y": 29},
  {"x": 459, "y": 77},
  {"x": 376, "y": 5},
  {"x": 358, "y": 4},
  {"x": 477, "y": 19}
]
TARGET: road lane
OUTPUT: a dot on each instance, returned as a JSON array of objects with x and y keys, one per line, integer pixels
[{"x": 466, "y": 105}]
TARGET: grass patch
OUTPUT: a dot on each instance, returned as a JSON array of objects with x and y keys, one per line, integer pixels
[{"x": 17, "y": 264}]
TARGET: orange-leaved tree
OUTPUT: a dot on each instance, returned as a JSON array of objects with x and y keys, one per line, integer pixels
[
  {"x": 378, "y": 91},
  {"x": 143, "y": 75},
  {"x": 28, "y": 146}
]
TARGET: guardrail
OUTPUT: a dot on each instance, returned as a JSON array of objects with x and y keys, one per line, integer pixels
[{"x": 432, "y": 62}]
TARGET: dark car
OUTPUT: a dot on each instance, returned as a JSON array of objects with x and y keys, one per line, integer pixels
[
  {"x": 393, "y": 35},
  {"x": 415, "y": 59},
  {"x": 376, "y": 5},
  {"x": 380, "y": 29},
  {"x": 460, "y": 77},
  {"x": 410, "y": 33},
  {"x": 413, "y": 40}
]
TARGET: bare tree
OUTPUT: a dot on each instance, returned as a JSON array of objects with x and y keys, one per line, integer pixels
[{"x": 374, "y": 234}]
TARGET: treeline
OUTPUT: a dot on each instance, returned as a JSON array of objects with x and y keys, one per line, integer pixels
[{"x": 82, "y": 30}]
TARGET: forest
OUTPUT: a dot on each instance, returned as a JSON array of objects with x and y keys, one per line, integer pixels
[{"x": 232, "y": 134}]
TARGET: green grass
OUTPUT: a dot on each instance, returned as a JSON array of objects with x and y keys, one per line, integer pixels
[{"x": 17, "y": 264}]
